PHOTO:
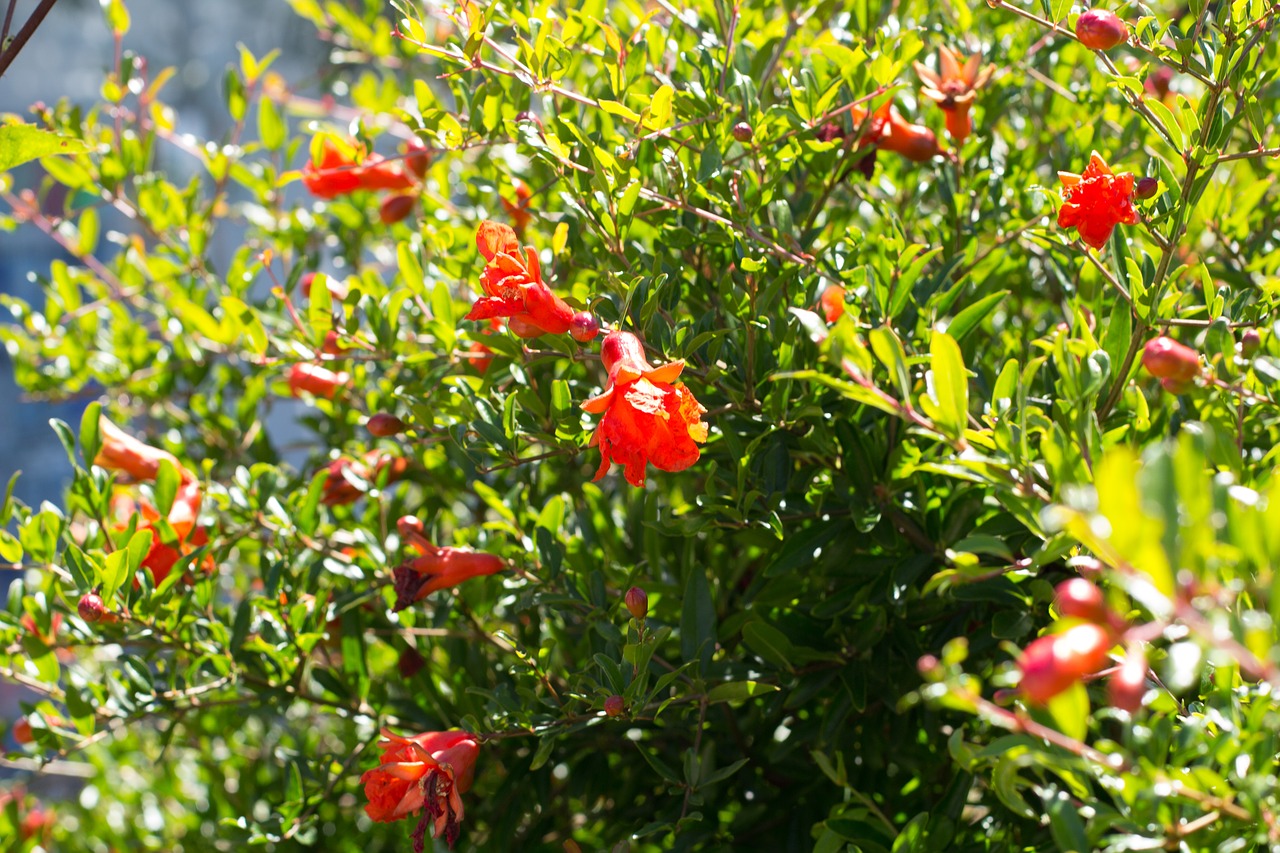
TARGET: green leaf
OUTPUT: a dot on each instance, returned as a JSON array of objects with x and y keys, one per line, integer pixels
[
  {"x": 698, "y": 619},
  {"x": 1070, "y": 711},
  {"x": 971, "y": 317},
  {"x": 949, "y": 385},
  {"x": 737, "y": 690},
  {"x": 769, "y": 643},
  {"x": 91, "y": 432},
  {"x": 21, "y": 143}
]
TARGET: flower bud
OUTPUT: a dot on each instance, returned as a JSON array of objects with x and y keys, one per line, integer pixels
[
  {"x": 584, "y": 327},
  {"x": 743, "y": 132},
  {"x": 1145, "y": 188},
  {"x": 614, "y": 705},
  {"x": 637, "y": 601},
  {"x": 1250, "y": 342},
  {"x": 22, "y": 731},
  {"x": 1129, "y": 684},
  {"x": 929, "y": 667},
  {"x": 1165, "y": 358},
  {"x": 1099, "y": 29},
  {"x": 418, "y": 158},
  {"x": 383, "y": 425},
  {"x": 395, "y": 208},
  {"x": 315, "y": 380},
  {"x": 1053, "y": 663},
  {"x": 1080, "y": 599},
  {"x": 91, "y": 607},
  {"x": 409, "y": 524}
]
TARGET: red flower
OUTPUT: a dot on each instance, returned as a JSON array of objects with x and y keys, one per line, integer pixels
[
  {"x": 913, "y": 141},
  {"x": 519, "y": 209},
  {"x": 832, "y": 300},
  {"x": 646, "y": 418},
  {"x": 122, "y": 452},
  {"x": 343, "y": 170},
  {"x": 427, "y": 772},
  {"x": 164, "y": 555},
  {"x": 435, "y": 568},
  {"x": 954, "y": 87},
  {"x": 1095, "y": 202},
  {"x": 513, "y": 286}
]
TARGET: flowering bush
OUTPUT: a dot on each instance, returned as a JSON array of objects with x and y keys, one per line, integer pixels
[{"x": 943, "y": 512}]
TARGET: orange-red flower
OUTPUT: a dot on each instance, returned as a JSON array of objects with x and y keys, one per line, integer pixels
[
  {"x": 343, "y": 170},
  {"x": 953, "y": 88},
  {"x": 122, "y": 452},
  {"x": 164, "y": 554},
  {"x": 646, "y": 418},
  {"x": 1097, "y": 201},
  {"x": 513, "y": 286},
  {"x": 435, "y": 568},
  {"x": 913, "y": 141},
  {"x": 427, "y": 772},
  {"x": 832, "y": 300},
  {"x": 518, "y": 210}
]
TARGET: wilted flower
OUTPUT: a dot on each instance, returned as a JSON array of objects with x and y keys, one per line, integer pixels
[
  {"x": 342, "y": 485},
  {"x": 513, "y": 286},
  {"x": 427, "y": 772},
  {"x": 1095, "y": 202},
  {"x": 646, "y": 418},
  {"x": 436, "y": 568},
  {"x": 953, "y": 88}
]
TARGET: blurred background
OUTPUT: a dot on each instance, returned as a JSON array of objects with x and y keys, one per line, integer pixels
[{"x": 68, "y": 57}]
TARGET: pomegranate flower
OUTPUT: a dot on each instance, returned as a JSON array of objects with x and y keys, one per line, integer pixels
[
  {"x": 1095, "y": 202},
  {"x": 340, "y": 171},
  {"x": 428, "y": 772},
  {"x": 340, "y": 489},
  {"x": 122, "y": 452},
  {"x": 435, "y": 568},
  {"x": 953, "y": 88},
  {"x": 164, "y": 555},
  {"x": 513, "y": 286},
  {"x": 646, "y": 418}
]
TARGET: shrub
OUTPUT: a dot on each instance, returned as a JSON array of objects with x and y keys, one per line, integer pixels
[{"x": 715, "y": 432}]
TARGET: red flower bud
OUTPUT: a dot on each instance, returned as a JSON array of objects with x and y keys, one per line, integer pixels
[
  {"x": 316, "y": 380},
  {"x": 743, "y": 132},
  {"x": 614, "y": 706},
  {"x": 395, "y": 208},
  {"x": 584, "y": 327},
  {"x": 1250, "y": 342},
  {"x": 1165, "y": 358},
  {"x": 384, "y": 425},
  {"x": 22, "y": 731},
  {"x": 1081, "y": 599},
  {"x": 637, "y": 601},
  {"x": 1099, "y": 29},
  {"x": 1145, "y": 187},
  {"x": 418, "y": 159},
  {"x": 1128, "y": 685},
  {"x": 1053, "y": 663},
  {"x": 91, "y": 607}
]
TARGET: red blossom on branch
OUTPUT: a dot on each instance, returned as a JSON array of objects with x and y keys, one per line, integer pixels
[
  {"x": 428, "y": 773},
  {"x": 1095, "y": 202},
  {"x": 647, "y": 419},
  {"x": 513, "y": 286}
]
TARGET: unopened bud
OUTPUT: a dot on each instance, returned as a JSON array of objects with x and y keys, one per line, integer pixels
[
  {"x": 1250, "y": 343},
  {"x": 1129, "y": 684},
  {"x": 1081, "y": 599},
  {"x": 395, "y": 208},
  {"x": 614, "y": 706},
  {"x": 743, "y": 132},
  {"x": 383, "y": 425},
  {"x": 1145, "y": 188},
  {"x": 91, "y": 607},
  {"x": 584, "y": 327},
  {"x": 637, "y": 601}
]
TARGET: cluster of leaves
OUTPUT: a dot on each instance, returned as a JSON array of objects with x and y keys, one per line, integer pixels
[{"x": 910, "y": 479}]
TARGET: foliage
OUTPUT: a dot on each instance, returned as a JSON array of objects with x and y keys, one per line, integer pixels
[{"x": 837, "y": 590}]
